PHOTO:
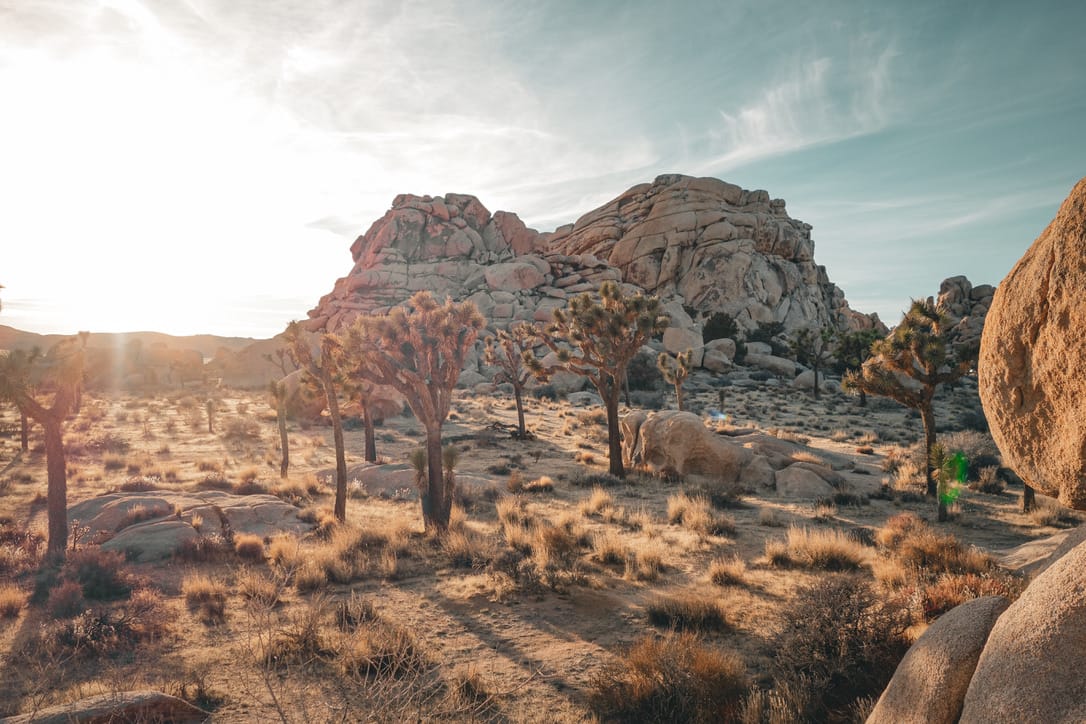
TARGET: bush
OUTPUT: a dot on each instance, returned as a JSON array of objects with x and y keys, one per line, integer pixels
[
  {"x": 719, "y": 326},
  {"x": 249, "y": 547},
  {"x": 951, "y": 590},
  {"x": 205, "y": 596},
  {"x": 676, "y": 678},
  {"x": 100, "y": 573},
  {"x": 12, "y": 600},
  {"x": 828, "y": 550},
  {"x": 728, "y": 571},
  {"x": 688, "y": 611},
  {"x": 65, "y": 600},
  {"x": 841, "y": 644}
]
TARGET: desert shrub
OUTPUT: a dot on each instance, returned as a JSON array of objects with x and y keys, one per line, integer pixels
[
  {"x": 65, "y": 600},
  {"x": 719, "y": 326},
  {"x": 204, "y": 549},
  {"x": 642, "y": 374},
  {"x": 249, "y": 547},
  {"x": 379, "y": 649},
  {"x": 842, "y": 643},
  {"x": 988, "y": 481},
  {"x": 609, "y": 548},
  {"x": 113, "y": 462},
  {"x": 20, "y": 549},
  {"x": 594, "y": 480},
  {"x": 645, "y": 563},
  {"x": 730, "y": 571},
  {"x": 241, "y": 429},
  {"x": 205, "y": 596},
  {"x": 828, "y": 550},
  {"x": 109, "y": 443},
  {"x": 950, "y": 590},
  {"x": 1049, "y": 512},
  {"x": 101, "y": 573},
  {"x": 214, "y": 481},
  {"x": 978, "y": 448},
  {"x": 688, "y": 611},
  {"x": 139, "y": 513},
  {"x": 257, "y": 588},
  {"x": 542, "y": 484},
  {"x": 139, "y": 484},
  {"x": 12, "y": 600},
  {"x": 467, "y": 549},
  {"x": 249, "y": 487},
  {"x": 597, "y": 502},
  {"x": 298, "y": 640},
  {"x": 919, "y": 548},
  {"x": 769, "y": 517},
  {"x": 292, "y": 492},
  {"x": 675, "y": 678},
  {"x": 209, "y": 466}
]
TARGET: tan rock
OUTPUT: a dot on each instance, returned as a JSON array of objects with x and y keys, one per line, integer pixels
[
  {"x": 797, "y": 481},
  {"x": 929, "y": 684},
  {"x": 1029, "y": 670},
  {"x": 1032, "y": 355},
  {"x": 130, "y": 706},
  {"x": 777, "y": 365},
  {"x": 679, "y": 442}
]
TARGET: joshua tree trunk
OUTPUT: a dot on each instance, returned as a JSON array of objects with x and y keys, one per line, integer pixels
[
  {"x": 58, "y": 487},
  {"x": 340, "y": 509},
  {"x": 367, "y": 430},
  {"x": 24, "y": 431},
  {"x": 679, "y": 395},
  {"x": 942, "y": 515},
  {"x": 614, "y": 440},
  {"x": 816, "y": 382},
  {"x": 435, "y": 513},
  {"x": 927, "y": 417},
  {"x": 284, "y": 442},
  {"x": 518, "y": 395},
  {"x": 863, "y": 397},
  {"x": 1029, "y": 502}
]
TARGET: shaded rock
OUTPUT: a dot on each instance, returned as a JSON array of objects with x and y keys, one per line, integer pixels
[
  {"x": 929, "y": 684},
  {"x": 798, "y": 481},
  {"x": 154, "y": 540},
  {"x": 584, "y": 399},
  {"x": 1034, "y": 557},
  {"x": 130, "y": 706},
  {"x": 777, "y": 365},
  {"x": 1032, "y": 354},
  {"x": 1028, "y": 671}
]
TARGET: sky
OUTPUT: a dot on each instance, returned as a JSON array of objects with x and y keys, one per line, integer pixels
[{"x": 203, "y": 166}]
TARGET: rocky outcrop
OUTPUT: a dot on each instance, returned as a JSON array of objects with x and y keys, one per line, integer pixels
[
  {"x": 929, "y": 684},
  {"x": 1032, "y": 357},
  {"x": 967, "y": 307},
  {"x": 702, "y": 245}
]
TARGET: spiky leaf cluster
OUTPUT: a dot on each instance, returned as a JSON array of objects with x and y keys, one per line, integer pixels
[
  {"x": 506, "y": 350},
  {"x": 916, "y": 351},
  {"x": 675, "y": 369},
  {"x": 602, "y": 336},
  {"x": 417, "y": 349},
  {"x": 26, "y": 376}
]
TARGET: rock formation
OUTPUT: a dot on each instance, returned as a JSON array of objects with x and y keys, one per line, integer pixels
[
  {"x": 1032, "y": 358},
  {"x": 704, "y": 246}
]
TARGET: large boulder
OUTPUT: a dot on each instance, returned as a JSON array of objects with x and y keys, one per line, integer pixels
[
  {"x": 799, "y": 481},
  {"x": 679, "y": 443},
  {"x": 1028, "y": 671},
  {"x": 929, "y": 684},
  {"x": 124, "y": 706},
  {"x": 1032, "y": 357}
]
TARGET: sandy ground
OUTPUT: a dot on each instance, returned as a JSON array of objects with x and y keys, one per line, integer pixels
[{"x": 536, "y": 652}]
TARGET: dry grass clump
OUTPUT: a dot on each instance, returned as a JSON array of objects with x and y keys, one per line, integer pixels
[
  {"x": 20, "y": 549},
  {"x": 12, "y": 600},
  {"x": 675, "y": 678},
  {"x": 292, "y": 492},
  {"x": 912, "y": 542},
  {"x": 101, "y": 574},
  {"x": 840, "y": 645},
  {"x": 249, "y": 547},
  {"x": 209, "y": 466},
  {"x": 827, "y": 550},
  {"x": 769, "y": 517},
  {"x": 467, "y": 549},
  {"x": 205, "y": 596},
  {"x": 258, "y": 588},
  {"x": 609, "y": 548},
  {"x": 697, "y": 515},
  {"x": 731, "y": 571},
  {"x": 139, "y": 513},
  {"x": 950, "y": 590},
  {"x": 1048, "y": 512},
  {"x": 599, "y": 501},
  {"x": 65, "y": 600},
  {"x": 988, "y": 481},
  {"x": 645, "y": 562},
  {"x": 542, "y": 484},
  {"x": 688, "y": 611}
]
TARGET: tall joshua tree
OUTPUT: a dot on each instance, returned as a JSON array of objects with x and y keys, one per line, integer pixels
[
  {"x": 322, "y": 371},
  {"x": 277, "y": 392},
  {"x": 910, "y": 364},
  {"x": 812, "y": 348},
  {"x": 506, "y": 351},
  {"x": 853, "y": 349},
  {"x": 27, "y": 380},
  {"x": 675, "y": 370},
  {"x": 418, "y": 349},
  {"x": 597, "y": 339}
]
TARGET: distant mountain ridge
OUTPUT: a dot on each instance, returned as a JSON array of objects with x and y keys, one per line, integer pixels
[{"x": 206, "y": 344}]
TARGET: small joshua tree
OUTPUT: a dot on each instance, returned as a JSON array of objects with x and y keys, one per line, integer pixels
[
  {"x": 418, "y": 349},
  {"x": 852, "y": 350},
  {"x": 506, "y": 351},
  {"x": 675, "y": 370},
  {"x": 910, "y": 364},
  {"x": 597, "y": 339},
  {"x": 321, "y": 370},
  {"x": 812, "y": 348},
  {"x": 277, "y": 392},
  {"x": 25, "y": 380}
]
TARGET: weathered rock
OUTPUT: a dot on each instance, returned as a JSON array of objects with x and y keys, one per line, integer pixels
[
  {"x": 1034, "y": 557},
  {"x": 130, "y": 706},
  {"x": 930, "y": 682},
  {"x": 1032, "y": 355},
  {"x": 1028, "y": 670},
  {"x": 798, "y": 481},
  {"x": 679, "y": 442},
  {"x": 777, "y": 365}
]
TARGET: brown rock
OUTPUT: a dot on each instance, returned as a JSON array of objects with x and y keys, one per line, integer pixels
[
  {"x": 930, "y": 682},
  {"x": 1033, "y": 351},
  {"x": 1029, "y": 670},
  {"x": 679, "y": 442}
]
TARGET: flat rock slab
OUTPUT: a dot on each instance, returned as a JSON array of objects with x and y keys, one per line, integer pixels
[
  {"x": 128, "y": 706},
  {"x": 173, "y": 518}
]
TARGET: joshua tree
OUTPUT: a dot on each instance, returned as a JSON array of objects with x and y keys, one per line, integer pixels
[
  {"x": 418, "y": 350},
  {"x": 910, "y": 364},
  {"x": 506, "y": 351},
  {"x": 602, "y": 337},
  {"x": 322, "y": 371},
  {"x": 25, "y": 379},
  {"x": 675, "y": 370},
  {"x": 853, "y": 349},
  {"x": 277, "y": 391},
  {"x": 281, "y": 358},
  {"x": 813, "y": 349}
]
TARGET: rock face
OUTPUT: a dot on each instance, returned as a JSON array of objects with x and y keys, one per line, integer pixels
[
  {"x": 930, "y": 682},
  {"x": 1028, "y": 670},
  {"x": 679, "y": 442},
  {"x": 1032, "y": 357},
  {"x": 143, "y": 705},
  {"x": 702, "y": 245}
]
